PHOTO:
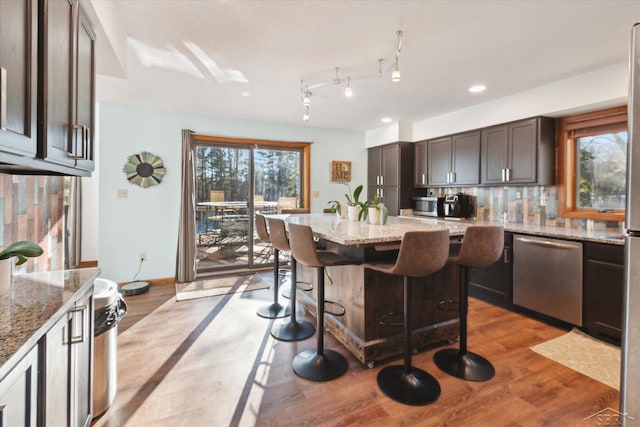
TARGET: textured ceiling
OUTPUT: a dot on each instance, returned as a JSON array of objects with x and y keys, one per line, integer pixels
[{"x": 202, "y": 56}]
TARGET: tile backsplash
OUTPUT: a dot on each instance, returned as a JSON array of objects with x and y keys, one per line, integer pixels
[
  {"x": 525, "y": 205},
  {"x": 32, "y": 208}
]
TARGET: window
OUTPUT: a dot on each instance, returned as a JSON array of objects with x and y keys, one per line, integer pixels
[
  {"x": 234, "y": 179},
  {"x": 592, "y": 164}
]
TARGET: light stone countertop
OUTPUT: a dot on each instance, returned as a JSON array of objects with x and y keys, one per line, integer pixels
[
  {"x": 32, "y": 305},
  {"x": 345, "y": 232}
]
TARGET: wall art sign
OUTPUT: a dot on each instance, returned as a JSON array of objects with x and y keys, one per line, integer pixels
[{"x": 340, "y": 171}]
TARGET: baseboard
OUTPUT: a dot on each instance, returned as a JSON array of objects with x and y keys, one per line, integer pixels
[
  {"x": 161, "y": 281},
  {"x": 87, "y": 264}
]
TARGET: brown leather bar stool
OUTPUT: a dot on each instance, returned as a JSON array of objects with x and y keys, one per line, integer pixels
[
  {"x": 319, "y": 364},
  {"x": 286, "y": 293},
  {"x": 274, "y": 310},
  {"x": 422, "y": 253},
  {"x": 293, "y": 330},
  {"x": 481, "y": 247}
]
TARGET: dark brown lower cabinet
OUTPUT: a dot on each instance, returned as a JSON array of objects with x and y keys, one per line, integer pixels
[
  {"x": 67, "y": 382},
  {"x": 495, "y": 283},
  {"x": 19, "y": 393},
  {"x": 603, "y": 290}
]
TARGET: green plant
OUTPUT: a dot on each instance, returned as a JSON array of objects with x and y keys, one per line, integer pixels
[
  {"x": 22, "y": 250},
  {"x": 335, "y": 206},
  {"x": 353, "y": 199}
]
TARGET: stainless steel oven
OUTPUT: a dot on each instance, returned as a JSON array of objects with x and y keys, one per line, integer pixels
[{"x": 425, "y": 206}]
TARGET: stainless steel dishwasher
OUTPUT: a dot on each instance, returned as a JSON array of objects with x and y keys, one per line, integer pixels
[{"x": 547, "y": 277}]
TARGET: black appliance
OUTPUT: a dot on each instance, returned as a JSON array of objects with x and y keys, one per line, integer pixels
[{"x": 457, "y": 206}]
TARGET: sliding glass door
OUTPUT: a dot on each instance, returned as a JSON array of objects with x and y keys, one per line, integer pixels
[{"x": 233, "y": 182}]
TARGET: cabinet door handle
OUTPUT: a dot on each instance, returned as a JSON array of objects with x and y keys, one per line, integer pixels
[
  {"x": 78, "y": 324},
  {"x": 3, "y": 99},
  {"x": 78, "y": 132}
]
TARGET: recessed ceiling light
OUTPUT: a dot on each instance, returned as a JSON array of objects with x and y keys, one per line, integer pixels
[
  {"x": 245, "y": 94},
  {"x": 386, "y": 120},
  {"x": 477, "y": 88}
]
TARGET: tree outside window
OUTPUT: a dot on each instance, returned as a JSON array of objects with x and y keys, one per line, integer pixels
[
  {"x": 592, "y": 163},
  {"x": 601, "y": 171}
]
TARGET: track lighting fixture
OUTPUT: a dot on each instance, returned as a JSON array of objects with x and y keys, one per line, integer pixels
[
  {"x": 393, "y": 68},
  {"x": 395, "y": 74}
]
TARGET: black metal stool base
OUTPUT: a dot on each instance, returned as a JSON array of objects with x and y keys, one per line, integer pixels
[
  {"x": 415, "y": 388},
  {"x": 294, "y": 331},
  {"x": 469, "y": 366},
  {"x": 312, "y": 366},
  {"x": 273, "y": 311}
]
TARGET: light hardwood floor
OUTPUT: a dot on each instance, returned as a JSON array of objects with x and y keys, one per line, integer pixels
[{"x": 212, "y": 362}]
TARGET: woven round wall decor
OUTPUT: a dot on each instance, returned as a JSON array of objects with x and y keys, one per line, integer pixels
[{"x": 144, "y": 169}]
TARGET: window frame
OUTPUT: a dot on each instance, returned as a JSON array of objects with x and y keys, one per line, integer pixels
[
  {"x": 305, "y": 147},
  {"x": 569, "y": 128}
]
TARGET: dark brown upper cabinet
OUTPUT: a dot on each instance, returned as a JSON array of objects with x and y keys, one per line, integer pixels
[
  {"x": 390, "y": 174},
  {"x": 420, "y": 164},
  {"x": 454, "y": 160},
  {"x": 521, "y": 152},
  {"x": 66, "y": 100},
  {"x": 18, "y": 79},
  {"x": 48, "y": 82}
]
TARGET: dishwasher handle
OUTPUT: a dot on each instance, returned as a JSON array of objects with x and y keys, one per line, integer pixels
[{"x": 546, "y": 243}]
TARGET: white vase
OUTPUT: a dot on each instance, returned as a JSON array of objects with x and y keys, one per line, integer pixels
[
  {"x": 6, "y": 273},
  {"x": 342, "y": 213},
  {"x": 375, "y": 216},
  {"x": 354, "y": 213}
]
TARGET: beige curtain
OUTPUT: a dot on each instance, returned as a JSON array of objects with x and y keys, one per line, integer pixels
[
  {"x": 74, "y": 222},
  {"x": 186, "y": 258}
]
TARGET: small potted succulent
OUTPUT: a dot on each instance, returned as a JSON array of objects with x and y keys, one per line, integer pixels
[
  {"x": 19, "y": 250},
  {"x": 377, "y": 211},
  {"x": 340, "y": 209}
]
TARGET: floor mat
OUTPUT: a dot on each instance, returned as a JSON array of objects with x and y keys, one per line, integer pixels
[
  {"x": 585, "y": 354},
  {"x": 219, "y": 286}
]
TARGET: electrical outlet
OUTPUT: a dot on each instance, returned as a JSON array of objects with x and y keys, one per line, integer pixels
[{"x": 143, "y": 256}]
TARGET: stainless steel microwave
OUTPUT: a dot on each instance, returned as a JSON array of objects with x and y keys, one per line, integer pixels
[{"x": 426, "y": 206}]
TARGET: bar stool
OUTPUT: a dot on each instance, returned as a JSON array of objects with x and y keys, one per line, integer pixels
[
  {"x": 422, "y": 253},
  {"x": 319, "y": 364},
  {"x": 286, "y": 293},
  {"x": 481, "y": 247},
  {"x": 273, "y": 310},
  {"x": 293, "y": 330}
]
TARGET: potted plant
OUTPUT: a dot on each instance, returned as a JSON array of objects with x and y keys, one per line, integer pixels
[
  {"x": 338, "y": 208},
  {"x": 20, "y": 250},
  {"x": 355, "y": 205},
  {"x": 377, "y": 211}
]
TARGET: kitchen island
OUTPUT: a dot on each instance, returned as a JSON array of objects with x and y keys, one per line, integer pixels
[
  {"x": 367, "y": 295},
  {"x": 46, "y": 348}
]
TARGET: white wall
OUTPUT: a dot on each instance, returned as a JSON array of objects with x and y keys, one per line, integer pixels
[
  {"x": 147, "y": 220},
  {"x": 605, "y": 87}
]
